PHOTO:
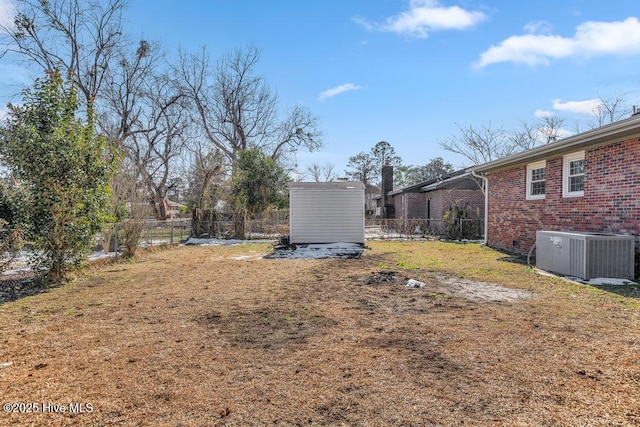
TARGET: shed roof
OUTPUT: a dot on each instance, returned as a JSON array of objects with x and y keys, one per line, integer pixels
[
  {"x": 620, "y": 130},
  {"x": 339, "y": 185}
]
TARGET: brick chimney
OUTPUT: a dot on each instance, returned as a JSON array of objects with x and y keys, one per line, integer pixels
[{"x": 386, "y": 187}]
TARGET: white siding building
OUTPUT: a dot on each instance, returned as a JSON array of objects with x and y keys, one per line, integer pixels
[{"x": 326, "y": 212}]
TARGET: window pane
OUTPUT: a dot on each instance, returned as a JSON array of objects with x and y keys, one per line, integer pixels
[
  {"x": 576, "y": 183},
  {"x": 537, "y": 174},
  {"x": 537, "y": 188},
  {"x": 576, "y": 167}
]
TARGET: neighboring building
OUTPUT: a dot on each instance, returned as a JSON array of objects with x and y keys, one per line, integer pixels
[
  {"x": 431, "y": 199},
  {"x": 326, "y": 212},
  {"x": 588, "y": 182}
]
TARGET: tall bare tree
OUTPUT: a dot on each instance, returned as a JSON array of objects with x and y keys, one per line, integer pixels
[
  {"x": 526, "y": 137},
  {"x": 610, "y": 110},
  {"x": 127, "y": 88},
  {"x": 154, "y": 151},
  {"x": 145, "y": 114},
  {"x": 549, "y": 128},
  {"x": 480, "y": 145},
  {"x": 78, "y": 37},
  {"x": 238, "y": 110}
]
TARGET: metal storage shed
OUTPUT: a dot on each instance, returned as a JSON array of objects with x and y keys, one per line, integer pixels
[{"x": 326, "y": 212}]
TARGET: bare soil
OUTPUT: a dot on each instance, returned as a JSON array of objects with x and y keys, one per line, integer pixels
[{"x": 202, "y": 336}]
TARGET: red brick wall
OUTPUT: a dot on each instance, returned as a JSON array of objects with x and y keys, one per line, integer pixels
[
  {"x": 415, "y": 204},
  {"x": 442, "y": 200},
  {"x": 611, "y": 201},
  {"x": 410, "y": 205}
]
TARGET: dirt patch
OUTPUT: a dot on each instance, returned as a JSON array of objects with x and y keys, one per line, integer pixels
[
  {"x": 382, "y": 277},
  {"x": 445, "y": 284},
  {"x": 482, "y": 291},
  {"x": 267, "y": 327}
]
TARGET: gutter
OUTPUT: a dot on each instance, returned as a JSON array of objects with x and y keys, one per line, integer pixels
[{"x": 486, "y": 206}]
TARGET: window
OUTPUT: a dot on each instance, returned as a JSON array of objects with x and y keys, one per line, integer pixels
[
  {"x": 536, "y": 176},
  {"x": 573, "y": 175}
]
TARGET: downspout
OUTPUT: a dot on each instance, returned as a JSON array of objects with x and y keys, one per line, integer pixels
[{"x": 486, "y": 206}]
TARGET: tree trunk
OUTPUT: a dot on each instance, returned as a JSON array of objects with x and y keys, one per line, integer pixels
[
  {"x": 239, "y": 222},
  {"x": 159, "y": 206}
]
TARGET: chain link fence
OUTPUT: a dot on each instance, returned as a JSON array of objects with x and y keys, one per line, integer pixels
[
  {"x": 154, "y": 233},
  {"x": 460, "y": 228}
]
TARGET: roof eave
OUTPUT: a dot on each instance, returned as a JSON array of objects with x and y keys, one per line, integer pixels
[{"x": 447, "y": 183}]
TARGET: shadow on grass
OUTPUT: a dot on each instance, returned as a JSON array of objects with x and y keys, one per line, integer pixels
[
  {"x": 628, "y": 291},
  {"x": 516, "y": 259},
  {"x": 13, "y": 288}
]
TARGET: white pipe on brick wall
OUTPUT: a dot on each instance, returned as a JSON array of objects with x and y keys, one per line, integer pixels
[{"x": 486, "y": 206}]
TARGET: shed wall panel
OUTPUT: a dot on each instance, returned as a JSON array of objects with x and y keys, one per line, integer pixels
[{"x": 326, "y": 215}]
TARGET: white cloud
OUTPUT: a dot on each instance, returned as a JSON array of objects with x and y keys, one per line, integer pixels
[
  {"x": 590, "y": 39},
  {"x": 330, "y": 93},
  {"x": 580, "y": 107},
  {"x": 538, "y": 27},
  {"x": 7, "y": 13},
  {"x": 364, "y": 23},
  {"x": 425, "y": 16},
  {"x": 543, "y": 114}
]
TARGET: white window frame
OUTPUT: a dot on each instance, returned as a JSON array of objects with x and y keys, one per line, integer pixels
[
  {"x": 566, "y": 168},
  {"x": 530, "y": 168}
]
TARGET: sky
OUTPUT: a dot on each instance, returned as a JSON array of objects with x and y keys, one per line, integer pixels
[{"x": 409, "y": 72}]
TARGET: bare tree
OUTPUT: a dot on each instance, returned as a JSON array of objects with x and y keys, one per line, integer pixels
[
  {"x": 78, "y": 37},
  {"x": 237, "y": 109},
  {"x": 145, "y": 113},
  {"x": 207, "y": 171},
  {"x": 128, "y": 86},
  {"x": 480, "y": 145},
  {"x": 321, "y": 173},
  {"x": 526, "y": 137},
  {"x": 610, "y": 110},
  {"x": 550, "y": 128},
  {"x": 155, "y": 151},
  {"x": 485, "y": 144}
]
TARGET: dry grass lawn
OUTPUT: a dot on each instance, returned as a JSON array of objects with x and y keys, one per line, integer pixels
[{"x": 205, "y": 336}]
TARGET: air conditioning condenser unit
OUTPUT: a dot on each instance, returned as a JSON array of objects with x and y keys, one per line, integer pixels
[{"x": 586, "y": 255}]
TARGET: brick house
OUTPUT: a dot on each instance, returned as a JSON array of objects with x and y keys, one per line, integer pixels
[
  {"x": 431, "y": 199},
  {"x": 589, "y": 182}
]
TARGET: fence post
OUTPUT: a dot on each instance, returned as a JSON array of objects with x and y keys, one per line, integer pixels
[
  {"x": 171, "y": 238},
  {"x": 116, "y": 245}
]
